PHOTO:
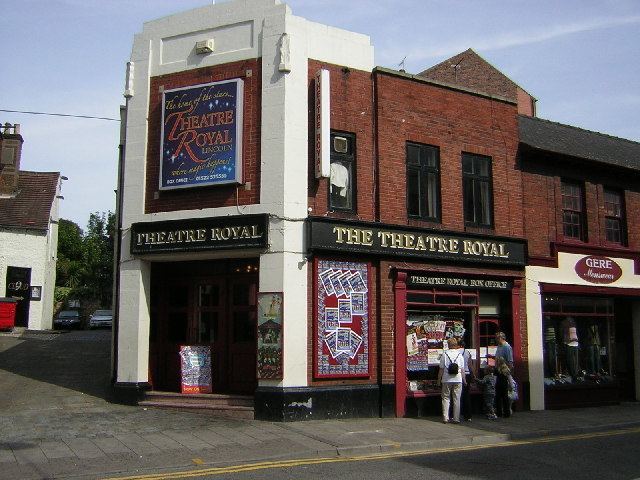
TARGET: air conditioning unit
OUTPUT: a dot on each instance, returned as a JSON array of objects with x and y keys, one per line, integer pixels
[
  {"x": 340, "y": 144},
  {"x": 204, "y": 46}
]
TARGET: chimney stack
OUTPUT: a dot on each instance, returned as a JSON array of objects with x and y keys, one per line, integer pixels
[{"x": 10, "y": 152}]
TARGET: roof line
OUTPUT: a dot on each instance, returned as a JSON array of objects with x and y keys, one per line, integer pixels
[
  {"x": 418, "y": 78},
  {"x": 578, "y": 128}
]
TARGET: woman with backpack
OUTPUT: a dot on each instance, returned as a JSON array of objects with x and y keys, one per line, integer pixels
[{"x": 451, "y": 377}]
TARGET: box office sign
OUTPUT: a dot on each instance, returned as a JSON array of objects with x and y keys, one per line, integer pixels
[
  {"x": 387, "y": 240},
  {"x": 427, "y": 280},
  {"x": 201, "y": 140},
  {"x": 200, "y": 234},
  {"x": 342, "y": 321}
]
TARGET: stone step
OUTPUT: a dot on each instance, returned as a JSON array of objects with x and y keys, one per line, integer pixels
[{"x": 239, "y": 406}]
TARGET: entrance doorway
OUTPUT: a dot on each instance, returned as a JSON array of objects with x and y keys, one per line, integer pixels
[
  {"x": 212, "y": 304},
  {"x": 18, "y": 283}
]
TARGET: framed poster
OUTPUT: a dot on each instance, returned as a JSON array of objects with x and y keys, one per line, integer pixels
[
  {"x": 341, "y": 325},
  {"x": 270, "y": 308},
  {"x": 201, "y": 138},
  {"x": 195, "y": 369}
]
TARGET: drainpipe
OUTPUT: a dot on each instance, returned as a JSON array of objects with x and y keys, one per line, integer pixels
[{"x": 118, "y": 245}]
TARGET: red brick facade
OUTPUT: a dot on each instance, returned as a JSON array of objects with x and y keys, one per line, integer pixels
[
  {"x": 385, "y": 110},
  {"x": 542, "y": 178},
  {"x": 351, "y": 112},
  {"x": 219, "y": 195}
]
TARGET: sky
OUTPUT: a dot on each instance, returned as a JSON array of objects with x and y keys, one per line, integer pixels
[{"x": 579, "y": 58}]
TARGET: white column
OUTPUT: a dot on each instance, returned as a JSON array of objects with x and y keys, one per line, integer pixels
[
  {"x": 133, "y": 322},
  {"x": 635, "y": 315},
  {"x": 283, "y": 188},
  {"x": 534, "y": 343}
]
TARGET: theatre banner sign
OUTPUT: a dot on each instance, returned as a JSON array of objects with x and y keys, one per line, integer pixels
[
  {"x": 201, "y": 139},
  {"x": 200, "y": 234},
  {"x": 387, "y": 240}
]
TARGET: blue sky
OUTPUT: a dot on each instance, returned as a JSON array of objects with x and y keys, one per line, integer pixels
[{"x": 579, "y": 58}]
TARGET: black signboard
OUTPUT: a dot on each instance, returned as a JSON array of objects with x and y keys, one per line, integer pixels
[
  {"x": 390, "y": 240},
  {"x": 200, "y": 234}
]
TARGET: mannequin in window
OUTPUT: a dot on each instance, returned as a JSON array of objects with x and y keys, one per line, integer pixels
[
  {"x": 571, "y": 345},
  {"x": 593, "y": 348},
  {"x": 550, "y": 349}
]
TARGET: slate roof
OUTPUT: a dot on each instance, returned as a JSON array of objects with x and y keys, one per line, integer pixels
[
  {"x": 576, "y": 142},
  {"x": 31, "y": 207},
  {"x": 469, "y": 70}
]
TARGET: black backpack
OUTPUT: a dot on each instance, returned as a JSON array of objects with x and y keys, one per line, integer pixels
[{"x": 453, "y": 367}]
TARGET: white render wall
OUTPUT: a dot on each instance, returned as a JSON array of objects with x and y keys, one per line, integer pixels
[
  {"x": 31, "y": 249},
  {"x": 241, "y": 29},
  {"x": 565, "y": 275}
]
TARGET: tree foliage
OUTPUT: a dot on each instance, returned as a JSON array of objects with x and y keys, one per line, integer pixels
[{"x": 85, "y": 259}]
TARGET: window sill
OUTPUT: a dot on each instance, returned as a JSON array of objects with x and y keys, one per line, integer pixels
[{"x": 480, "y": 230}]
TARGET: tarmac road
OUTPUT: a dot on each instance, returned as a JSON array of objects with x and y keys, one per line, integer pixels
[{"x": 56, "y": 421}]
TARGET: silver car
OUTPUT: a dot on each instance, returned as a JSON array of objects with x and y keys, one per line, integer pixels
[{"x": 101, "y": 318}]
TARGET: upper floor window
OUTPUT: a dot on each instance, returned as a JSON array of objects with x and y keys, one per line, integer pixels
[
  {"x": 423, "y": 182},
  {"x": 614, "y": 221},
  {"x": 477, "y": 190},
  {"x": 341, "y": 182},
  {"x": 573, "y": 218}
]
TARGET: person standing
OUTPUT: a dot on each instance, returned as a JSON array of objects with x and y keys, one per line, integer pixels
[
  {"x": 504, "y": 350},
  {"x": 451, "y": 377},
  {"x": 503, "y": 383},
  {"x": 470, "y": 376}
]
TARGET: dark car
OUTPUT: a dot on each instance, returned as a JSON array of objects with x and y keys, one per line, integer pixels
[
  {"x": 101, "y": 318},
  {"x": 67, "y": 319}
]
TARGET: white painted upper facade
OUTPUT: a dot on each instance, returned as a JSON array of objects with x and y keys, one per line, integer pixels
[{"x": 240, "y": 29}]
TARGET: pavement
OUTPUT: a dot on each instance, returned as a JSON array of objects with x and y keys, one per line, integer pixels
[{"x": 57, "y": 421}]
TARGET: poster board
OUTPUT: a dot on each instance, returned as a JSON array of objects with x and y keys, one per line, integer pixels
[
  {"x": 341, "y": 330},
  {"x": 270, "y": 358},
  {"x": 201, "y": 137},
  {"x": 195, "y": 369}
]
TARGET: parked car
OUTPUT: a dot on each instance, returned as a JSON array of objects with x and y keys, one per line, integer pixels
[
  {"x": 101, "y": 318},
  {"x": 67, "y": 319}
]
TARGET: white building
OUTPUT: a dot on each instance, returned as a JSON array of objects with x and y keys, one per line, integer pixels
[{"x": 28, "y": 234}]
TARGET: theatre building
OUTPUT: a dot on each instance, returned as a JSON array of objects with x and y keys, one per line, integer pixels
[
  {"x": 301, "y": 231},
  {"x": 581, "y": 198},
  {"x": 213, "y": 203}
]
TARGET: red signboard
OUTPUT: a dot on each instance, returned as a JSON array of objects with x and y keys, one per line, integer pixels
[{"x": 596, "y": 269}]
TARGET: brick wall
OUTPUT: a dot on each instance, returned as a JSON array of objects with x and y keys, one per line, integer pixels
[
  {"x": 210, "y": 196},
  {"x": 352, "y": 112},
  {"x": 542, "y": 179},
  {"x": 456, "y": 122}
]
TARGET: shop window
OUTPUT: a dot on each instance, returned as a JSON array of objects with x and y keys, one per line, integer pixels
[
  {"x": 615, "y": 228},
  {"x": 423, "y": 182},
  {"x": 577, "y": 335},
  {"x": 477, "y": 191},
  {"x": 342, "y": 172},
  {"x": 573, "y": 218}
]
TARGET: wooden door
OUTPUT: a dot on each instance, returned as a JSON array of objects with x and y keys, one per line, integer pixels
[{"x": 241, "y": 335}]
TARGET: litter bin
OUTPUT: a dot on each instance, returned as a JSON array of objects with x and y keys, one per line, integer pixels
[{"x": 7, "y": 313}]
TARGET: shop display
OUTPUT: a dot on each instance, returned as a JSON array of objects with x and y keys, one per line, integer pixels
[
  {"x": 342, "y": 322},
  {"x": 576, "y": 346}
]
